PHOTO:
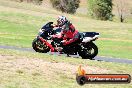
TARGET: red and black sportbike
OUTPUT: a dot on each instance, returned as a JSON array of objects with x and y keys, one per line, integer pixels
[{"x": 85, "y": 47}]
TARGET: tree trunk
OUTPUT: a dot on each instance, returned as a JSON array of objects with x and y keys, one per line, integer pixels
[
  {"x": 29, "y": 1},
  {"x": 121, "y": 18},
  {"x": 21, "y": 0}
]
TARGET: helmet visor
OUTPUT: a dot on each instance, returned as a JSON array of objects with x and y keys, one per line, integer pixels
[
  {"x": 59, "y": 22},
  {"x": 65, "y": 29}
]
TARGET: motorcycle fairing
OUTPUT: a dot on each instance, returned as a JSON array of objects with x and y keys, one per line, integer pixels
[{"x": 89, "y": 36}]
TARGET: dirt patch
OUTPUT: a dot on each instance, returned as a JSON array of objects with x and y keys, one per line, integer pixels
[{"x": 35, "y": 66}]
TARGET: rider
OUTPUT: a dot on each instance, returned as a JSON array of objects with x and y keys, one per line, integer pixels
[{"x": 69, "y": 34}]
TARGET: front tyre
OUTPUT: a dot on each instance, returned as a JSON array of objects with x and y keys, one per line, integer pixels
[
  {"x": 88, "y": 51},
  {"x": 39, "y": 46}
]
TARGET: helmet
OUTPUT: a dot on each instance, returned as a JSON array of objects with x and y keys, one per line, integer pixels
[
  {"x": 61, "y": 20},
  {"x": 65, "y": 28}
]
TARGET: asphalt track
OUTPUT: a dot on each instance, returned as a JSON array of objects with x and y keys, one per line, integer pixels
[{"x": 98, "y": 58}]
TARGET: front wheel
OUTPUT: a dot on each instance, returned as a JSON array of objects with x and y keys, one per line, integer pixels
[
  {"x": 39, "y": 46},
  {"x": 88, "y": 51}
]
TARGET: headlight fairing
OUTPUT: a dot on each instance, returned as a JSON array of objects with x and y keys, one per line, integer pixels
[{"x": 40, "y": 31}]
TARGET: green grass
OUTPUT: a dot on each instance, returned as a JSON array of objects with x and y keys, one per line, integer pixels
[
  {"x": 19, "y": 32},
  {"x": 115, "y": 48},
  {"x": 19, "y": 26},
  {"x": 34, "y": 78}
]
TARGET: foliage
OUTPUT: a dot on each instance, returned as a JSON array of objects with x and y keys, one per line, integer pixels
[
  {"x": 38, "y": 2},
  {"x": 100, "y": 9},
  {"x": 123, "y": 9},
  {"x": 67, "y": 6}
]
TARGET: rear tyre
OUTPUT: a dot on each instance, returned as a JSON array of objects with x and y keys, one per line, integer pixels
[
  {"x": 39, "y": 46},
  {"x": 88, "y": 51}
]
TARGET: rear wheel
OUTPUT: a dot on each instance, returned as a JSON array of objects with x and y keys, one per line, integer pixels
[
  {"x": 39, "y": 46},
  {"x": 88, "y": 51}
]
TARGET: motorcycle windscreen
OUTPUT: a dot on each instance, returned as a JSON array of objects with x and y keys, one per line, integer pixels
[{"x": 47, "y": 27}]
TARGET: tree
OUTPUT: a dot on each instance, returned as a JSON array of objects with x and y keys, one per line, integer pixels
[
  {"x": 29, "y": 1},
  {"x": 67, "y": 6},
  {"x": 121, "y": 9},
  {"x": 100, "y": 9},
  {"x": 21, "y": 0},
  {"x": 38, "y": 2}
]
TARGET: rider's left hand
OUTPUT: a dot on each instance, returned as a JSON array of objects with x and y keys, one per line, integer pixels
[{"x": 62, "y": 42}]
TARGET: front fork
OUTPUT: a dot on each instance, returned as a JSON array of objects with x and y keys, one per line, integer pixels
[{"x": 48, "y": 44}]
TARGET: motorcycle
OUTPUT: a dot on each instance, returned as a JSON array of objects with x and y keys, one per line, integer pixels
[{"x": 85, "y": 47}]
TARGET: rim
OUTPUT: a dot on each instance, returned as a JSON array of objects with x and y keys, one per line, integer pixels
[
  {"x": 89, "y": 50},
  {"x": 40, "y": 45}
]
